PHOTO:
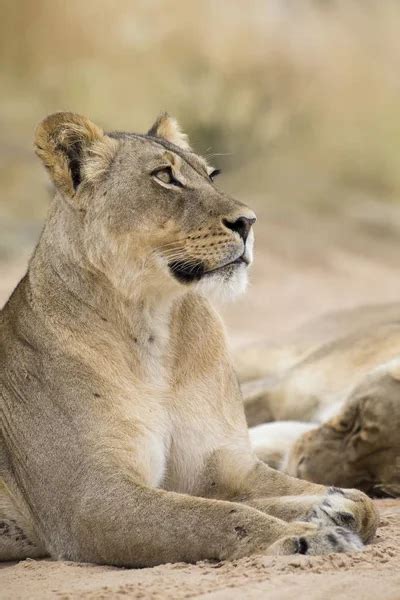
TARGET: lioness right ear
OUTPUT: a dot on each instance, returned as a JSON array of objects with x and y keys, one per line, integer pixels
[
  {"x": 167, "y": 128},
  {"x": 64, "y": 142}
]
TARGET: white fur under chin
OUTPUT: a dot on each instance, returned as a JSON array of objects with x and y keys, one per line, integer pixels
[{"x": 218, "y": 288}]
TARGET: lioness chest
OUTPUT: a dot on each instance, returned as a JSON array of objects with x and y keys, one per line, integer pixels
[
  {"x": 169, "y": 431},
  {"x": 184, "y": 404},
  {"x": 143, "y": 400},
  {"x": 170, "y": 435}
]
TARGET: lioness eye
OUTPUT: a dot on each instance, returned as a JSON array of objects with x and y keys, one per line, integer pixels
[
  {"x": 165, "y": 175},
  {"x": 214, "y": 174}
]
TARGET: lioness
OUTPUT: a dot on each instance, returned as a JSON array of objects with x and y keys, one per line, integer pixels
[
  {"x": 123, "y": 436},
  {"x": 334, "y": 396}
]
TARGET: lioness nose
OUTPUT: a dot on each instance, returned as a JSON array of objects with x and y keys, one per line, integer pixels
[{"x": 242, "y": 226}]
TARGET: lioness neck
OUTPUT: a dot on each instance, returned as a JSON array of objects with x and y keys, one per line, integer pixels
[{"x": 79, "y": 301}]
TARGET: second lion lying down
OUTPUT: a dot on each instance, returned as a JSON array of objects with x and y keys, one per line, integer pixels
[
  {"x": 333, "y": 395},
  {"x": 123, "y": 438}
]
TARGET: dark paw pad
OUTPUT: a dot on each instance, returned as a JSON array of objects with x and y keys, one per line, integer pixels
[
  {"x": 302, "y": 545},
  {"x": 335, "y": 490}
]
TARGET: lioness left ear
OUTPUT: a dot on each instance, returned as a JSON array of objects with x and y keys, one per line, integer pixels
[
  {"x": 168, "y": 128},
  {"x": 73, "y": 149}
]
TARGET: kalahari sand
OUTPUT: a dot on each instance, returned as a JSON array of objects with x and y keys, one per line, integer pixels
[{"x": 367, "y": 575}]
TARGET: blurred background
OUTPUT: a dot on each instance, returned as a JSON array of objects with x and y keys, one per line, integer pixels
[{"x": 297, "y": 102}]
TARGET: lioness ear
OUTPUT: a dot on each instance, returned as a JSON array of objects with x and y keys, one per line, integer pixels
[
  {"x": 167, "y": 128},
  {"x": 63, "y": 141}
]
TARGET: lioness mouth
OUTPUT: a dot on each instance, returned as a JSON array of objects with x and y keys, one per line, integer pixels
[{"x": 188, "y": 273}]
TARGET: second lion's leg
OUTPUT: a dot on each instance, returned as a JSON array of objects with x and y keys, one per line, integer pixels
[{"x": 273, "y": 442}]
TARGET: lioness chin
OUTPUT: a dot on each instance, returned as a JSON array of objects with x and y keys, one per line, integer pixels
[{"x": 123, "y": 438}]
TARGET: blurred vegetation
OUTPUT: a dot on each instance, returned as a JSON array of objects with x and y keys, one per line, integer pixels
[{"x": 297, "y": 101}]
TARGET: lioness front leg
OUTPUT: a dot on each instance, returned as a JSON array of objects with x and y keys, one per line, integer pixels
[
  {"x": 335, "y": 508},
  {"x": 133, "y": 525},
  {"x": 298, "y": 499},
  {"x": 291, "y": 499}
]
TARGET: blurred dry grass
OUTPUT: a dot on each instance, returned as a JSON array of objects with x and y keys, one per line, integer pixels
[{"x": 297, "y": 101}]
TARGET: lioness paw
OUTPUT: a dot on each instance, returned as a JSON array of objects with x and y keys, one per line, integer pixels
[
  {"x": 349, "y": 509},
  {"x": 322, "y": 541}
]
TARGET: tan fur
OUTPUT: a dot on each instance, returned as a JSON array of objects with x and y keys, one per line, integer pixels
[
  {"x": 100, "y": 155},
  {"x": 168, "y": 128},
  {"x": 123, "y": 438},
  {"x": 57, "y": 133},
  {"x": 342, "y": 374}
]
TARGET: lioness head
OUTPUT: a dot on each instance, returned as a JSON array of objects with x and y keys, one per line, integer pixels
[
  {"x": 360, "y": 446},
  {"x": 144, "y": 207}
]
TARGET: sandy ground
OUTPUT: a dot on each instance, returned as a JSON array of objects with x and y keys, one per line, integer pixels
[
  {"x": 367, "y": 575},
  {"x": 307, "y": 264}
]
